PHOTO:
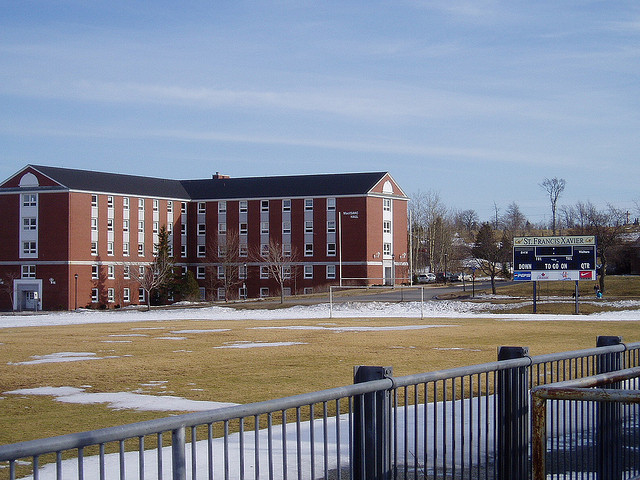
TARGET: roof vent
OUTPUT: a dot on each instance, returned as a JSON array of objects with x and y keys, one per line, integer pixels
[{"x": 219, "y": 176}]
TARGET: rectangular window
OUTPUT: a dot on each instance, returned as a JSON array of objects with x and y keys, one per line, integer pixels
[
  {"x": 111, "y": 272},
  {"x": 286, "y": 271},
  {"x": 308, "y": 290},
  {"x": 29, "y": 248},
  {"x": 183, "y": 207},
  {"x": 141, "y": 204},
  {"x": 94, "y": 248},
  {"x": 28, "y": 271},
  {"x": 109, "y": 201},
  {"x": 125, "y": 203},
  {"x": 308, "y": 249},
  {"x": 222, "y": 294},
  {"x": 183, "y": 251},
  {"x": 331, "y": 249},
  {"x": 126, "y": 295},
  {"x": 170, "y": 206},
  {"x": 141, "y": 249},
  {"x": 386, "y": 204},
  {"x": 95, "y": 272},
  {"x": 202, "y": 207},
  {"x": 109, "y": 248},
  {"x": 264, "y": 205},
  {"x": 243, "y": 250},
  {"x": 264, "y": 250},
  {"x": 183, "y": 229},
  {"x": 29, "y": 223},
  {"x": 264, "y": 292},
  {"x": 308, "y": 203},
  {"x": 331, "y": 204},
  {"x": 308, "y": 271},
  {"x": 94, "y": 200},
  {"x": 222, "y": 250},
  {"x": 203, "y": 293},
  {"x": 141, "y": 226},
  {"x": 94, "y": 295},
  {"x": 244, "y": 228},
  {"x": 156, "y": 205},
  {"x": 111, "y": 295},
  {"x": 155, "y": 227},
  {"x": 386, "y": 226},
  {"x": 94, "y": 224},
  {"x": 386, "y": 248},
  {"x": 202, "y": 250},
  {"x": 243, "y": 206},
  {"x": 200, "y": 273},
  {"x": 125, "y": 249},
  {"x": 141, "y": 295},
  {"x": 242, "y": 272},
  {"x": 331, "y": 271},
  {"x": 29, "y": 200},
  {"x": 286, "y": 205},
  {"x": 110, "y": 224},
  {"x": 125, "y": 225},
  {"x": 222, "y": 207},
  {"x": 331, "y": 226},
  {"x": 286, "y": 227},
  {"x": 264, "y": 272},
  {"x": 126, "y": 272},
  {"x": 222, "y": 229},
  {"x": 202, "y": 229},
  {"x": 286, "y": 249},
  {"x": 308, "y": 226},
  {"x": 264, "y": 227},
  {"x": 221, "y": 271},
  {"x": 141, "y": 271}
]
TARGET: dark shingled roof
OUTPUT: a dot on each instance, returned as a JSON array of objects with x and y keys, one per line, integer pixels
[{"x": 335, "y": 184}]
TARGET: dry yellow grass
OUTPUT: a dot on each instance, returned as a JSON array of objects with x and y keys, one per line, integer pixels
[{"x": 193, "y": 368}]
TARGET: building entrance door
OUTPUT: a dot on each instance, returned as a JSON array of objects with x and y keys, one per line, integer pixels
[{"x": 388, "y": 276}]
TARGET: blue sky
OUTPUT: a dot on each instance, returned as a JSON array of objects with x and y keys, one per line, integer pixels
[{"x": 478, "y": 101}]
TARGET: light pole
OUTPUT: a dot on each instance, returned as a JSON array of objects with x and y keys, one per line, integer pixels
[
  {"x": 445, "y": 268},
  {"x": 76, "y": 290}
]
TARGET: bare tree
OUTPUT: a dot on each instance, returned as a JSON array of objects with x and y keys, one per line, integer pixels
[
  {"x": 6, "y": 285},
  {"x": 280, "y": 260},
  {"x": 554, "y": 188},
  {"x": 491, "y": 254},
  {"x": 513, "y": 219},
  {"x": 224, "y": 253},
  {"x": 467, "y": 220},
  {"x": 428, "y": 214},
  {"x": 159, "y": 273}
]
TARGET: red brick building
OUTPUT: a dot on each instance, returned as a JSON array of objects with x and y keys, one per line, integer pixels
[{"x": 70, "y": 238}]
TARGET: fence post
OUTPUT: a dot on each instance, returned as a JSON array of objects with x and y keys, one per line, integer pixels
[
  {"x": 609, "y": 417},
  {"x": 372, "y": 427},
  {"x": 178, "y": 460},
  {"x": 513, "y": 417}
]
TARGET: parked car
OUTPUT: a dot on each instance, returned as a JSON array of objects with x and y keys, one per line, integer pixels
[
  {"x": 426, "y": 278},
  {"x": 466, "y": 277}
]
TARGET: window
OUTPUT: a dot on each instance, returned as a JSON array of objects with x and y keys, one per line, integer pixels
[
  {"x": 220, "y": 271},
  {"x": 183, "y": 229},
  {"x": 202, "y": 250},
  {"x": 141, "y": 226},
  {"x": 308, "y": 226},
  {"x": 94, "y": 224},
  {"x": 331, "y": 271},
  {"x": 183, "y": 250},
  {"x": 183, "y": 207},
  {"x": 111, "y": 272},
  {"x": 95, "y": 271},
  {"x": 386, "y": 226},
  {"x": 94, "y": 248},
  {"x": 286, "y": 227},
  {"x": 386, "y": 248},
  {"x": 202, "y": 207},
  {"x": 28, "y": 271},
  {"x": 125, "y": 203},
  {"x": 222, "y": 229},
  {"x": 126, "y": 295},
  {"x": 141, "y": 295},
  {"x": 243, "y": 206},
  {"x": 222, "y": 250},
  {"x": 109, "y": 248},
  {"x": 286, "y": 249},
  {"x": 94, "y": 200},
  {"x": 331, "y": 204},
  {"x": 29, "y": 223},
  {"x": 264, "y": 292},
  {"x": 141, "y": 271},
  {"x": 155, "y": 205},
  {"x": 202, "y": 229},
  {"x": 125, "y": 249},
  {"x": 308, "y": 203},
  {"x": 242, "y": 272},
  {"x": 126, "y": 272},
  {"x": 29, "y": 200},
  {"x": 264, "y": 205},
  {"x": 155, "y": 227},
  {"x": 109, "y": 201},
  {"x": 286, "y": 271},
  {"x": 331, "y": 226},
  {"x": 170, "y": 228},
  {"x": 200, "y": 273},
  {"x": 308, "y": 290},
  {"x": 203, "y": 293},
  {"x": 111, "y": 295},
  {"x": 308, "y": 249},
  {"x": 125, "y": 225},
  {"x": 264, "y": 250},
  {"x": 170, "y": 206},
  {"x": 141, "y": 204},
  {"x": 244, "y": 228},
  {"x": 222, "y": 207},
  {"x": 264, "y": 227},
  {"x": 29, "y": 248},
  {"x": 331, "y": 249},
  {"x": 222, "y": 294},
  {"x": 94, "y": 295},
  {"x": 308, "y": 271},
  {"x": 264, "y": 272},
  {"x": 386, "y": 204},
  {"x": 141, "y": 249},
  {"x": 243, "y": 250},
  {"x": 286, "y": 205},
  {"x": 242, "y": 293},
  {"x": 110, "y": 224}
]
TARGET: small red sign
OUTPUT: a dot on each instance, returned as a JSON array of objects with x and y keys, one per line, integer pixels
[{"x": 588, "y": 275}]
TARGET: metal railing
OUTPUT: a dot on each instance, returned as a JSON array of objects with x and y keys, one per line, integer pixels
[{"x": 468, "y": 423}]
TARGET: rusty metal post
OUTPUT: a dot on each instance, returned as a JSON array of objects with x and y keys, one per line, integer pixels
[
  {"x": 609, "y": 417},
  {"x": 372, "y": 427},
  {"x": 539, "y": 437},
  {"x": 513, "y": 417}
]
